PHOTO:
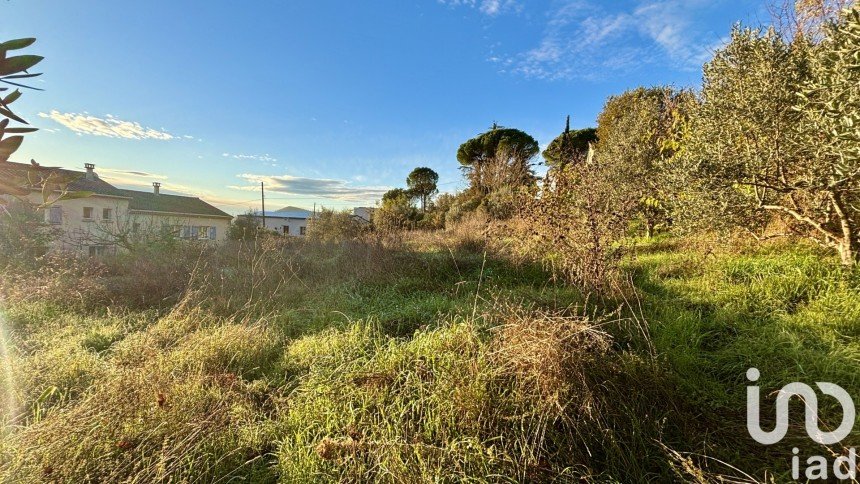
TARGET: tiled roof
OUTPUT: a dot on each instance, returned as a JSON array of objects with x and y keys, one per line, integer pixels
[
  {"x": 142, "y": 201},
  {"x": 80, "y": 182},
  {"x": 150, "y": 202}
]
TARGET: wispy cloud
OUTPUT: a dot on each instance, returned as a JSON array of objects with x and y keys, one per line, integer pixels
[
  {"x": 135, "y": 179},
  {"x": 590, "y": 39},
  {"x": 265, "y": 158},
  {"x": 141, "y": 180},
  {"x": 313, "y": 187},
  {"x": 487, "y": 7},
  {"x": 114, "y": 173},
  {"x": 109, "y": 126}
]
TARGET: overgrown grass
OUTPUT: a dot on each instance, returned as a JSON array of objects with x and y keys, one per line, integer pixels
[
  {"x": 420, "y": 360},
  {"x": 786, "y": 309}
]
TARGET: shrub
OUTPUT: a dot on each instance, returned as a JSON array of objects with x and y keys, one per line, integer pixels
[
  {"x": 334, "y": 226},
  {"x": 396, "y": 213},
  {"x": 24, "y": 235},
  {"x": 245, "y": 227},
  {"x": 576, "y": 225}
]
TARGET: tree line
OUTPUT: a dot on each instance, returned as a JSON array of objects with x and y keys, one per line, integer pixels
[{"x": 769, "y": 144}]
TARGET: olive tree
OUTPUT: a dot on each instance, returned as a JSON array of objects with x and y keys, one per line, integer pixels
[
  {"x": 827, "y": 191},
  {"x": 739, "y": 150},
  {"x": 774, "y": 133},
  {"x": 633, "y": 131}
]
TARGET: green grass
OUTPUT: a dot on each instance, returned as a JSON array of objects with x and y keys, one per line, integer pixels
[
  {"x": 391, "y": 363},
  {"x": 787, "y": 310}
]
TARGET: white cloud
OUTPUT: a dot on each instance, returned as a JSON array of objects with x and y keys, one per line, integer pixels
[
  {"x": 142, "y": 181},
  {"x": 265, "y": 158},
  {"x": 487, "y": 7},
  {"x": 590, "y": 39},
  {"x": 109, "y": 126},
  {"x": 313, "y": 187},
  {"x": 128, "y": 175}
]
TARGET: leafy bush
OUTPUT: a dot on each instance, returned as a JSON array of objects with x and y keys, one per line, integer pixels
[
  {"x": 396, "y": 213},
  {"x": 24, "y": 235},
  {"x": 334, "y": 226}
]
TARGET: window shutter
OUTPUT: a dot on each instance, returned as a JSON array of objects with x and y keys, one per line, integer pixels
[{"x": 212, "y": 233}]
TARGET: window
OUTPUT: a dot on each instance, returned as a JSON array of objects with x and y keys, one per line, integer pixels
[
  {"x": 88, "y": 213},
  {"x": 135, "y": 227},
  {"x": 107, "y": 214},
  {"x": 55, "y": 215},
  {"x": 96, "y": 250},
  {"x": 302, "y": 230},
  {"x": 194, "y": 232},
  {"x": 286, "y": 230}
]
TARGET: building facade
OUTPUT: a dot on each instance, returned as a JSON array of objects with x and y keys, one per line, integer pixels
[
  {"x": 289, "y": 221},
  {"x": 109, "y": 219}
]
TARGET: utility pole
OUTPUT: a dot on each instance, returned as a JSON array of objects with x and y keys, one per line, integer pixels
[{"x": 263, "y": 198}]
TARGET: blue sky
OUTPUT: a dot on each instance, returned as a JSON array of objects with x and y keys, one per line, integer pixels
[{"x": 333, "y": 102}]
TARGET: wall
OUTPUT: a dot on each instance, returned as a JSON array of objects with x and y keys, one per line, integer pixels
[
  {"x": 153, "y": 222},
  {"x": 77, "y": 233},
  {"x": 277, "y": 224}
]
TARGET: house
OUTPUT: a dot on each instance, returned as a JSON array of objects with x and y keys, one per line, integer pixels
[
  {"x": 110, "y": 217},
  {"x": 291, "y": 221},
  {"x": 188, "y": 217},
  {"x": 363, "y": 215}
]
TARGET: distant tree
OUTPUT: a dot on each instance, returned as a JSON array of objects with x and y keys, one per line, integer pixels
[
  {"x": 422, "y": 183},
  {"x": 437, "y": 211},
  {"x": 805, "y": 18},
  {"x": 497, "y": 158},
  {"x": 569, "y": 145},
  {"x": 395, "y": 212},
  {"x": 395, "y": 194}
]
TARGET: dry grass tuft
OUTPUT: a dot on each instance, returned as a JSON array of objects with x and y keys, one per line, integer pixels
[{"x": 548, "y": 355}]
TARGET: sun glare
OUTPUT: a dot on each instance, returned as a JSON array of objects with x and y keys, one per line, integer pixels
[{"x": 10, "y": 404}]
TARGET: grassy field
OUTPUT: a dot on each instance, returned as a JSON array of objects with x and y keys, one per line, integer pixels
[{"x": 431, "y": 359}]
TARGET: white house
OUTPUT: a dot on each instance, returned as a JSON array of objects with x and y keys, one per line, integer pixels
[
  {"x": 363, "y": 215},
  {"x": 291, "y": 221},
  {"x": 98, "y": 223}
]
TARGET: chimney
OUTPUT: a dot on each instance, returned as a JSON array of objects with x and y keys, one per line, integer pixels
[
  {"x": 156, "y": 188},
  {"x": 91, "y": 174}
]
